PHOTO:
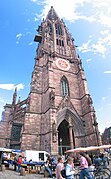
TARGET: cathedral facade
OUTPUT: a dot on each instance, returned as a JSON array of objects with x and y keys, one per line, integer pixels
[{"x": 58, "y": 113}]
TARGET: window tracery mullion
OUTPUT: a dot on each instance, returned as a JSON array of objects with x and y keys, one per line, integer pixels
[{"x": 64, "y": 87}]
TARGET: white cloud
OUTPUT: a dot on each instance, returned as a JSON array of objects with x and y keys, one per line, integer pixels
[
  {"x": 105, "y": 20},
  {"x": 31, "y": 43},
  {"x": 108, "y": 123},
  {"x": 87, "y": 18},
  {"x": 28, "y": 33},
  {"x": 99, "y": 46},
  {"x": 7, "y": 86},
  {"x": 100, "y": 11},
  {"x": 108, "y": 72},
  {"x": 65, "y": 10},
  {"x": 19, "y": 86},
  {"x": 2, "y": 100},
  {"x": 104, "y": 32},
  {"x": 11, "y": 86},
  {"x": 104, "y": 98},
  {"x": 1, "y": 109},
  {"x": 18, "y": 36},
  {"x": 17, "y": 42},
  {"x": 85, "y": 47},
  {"x": 88, "y": 60}
]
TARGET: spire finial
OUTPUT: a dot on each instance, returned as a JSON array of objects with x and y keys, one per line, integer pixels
[
  {"x": 52, "y": 15},
  {"x": 14, "y": 96}
]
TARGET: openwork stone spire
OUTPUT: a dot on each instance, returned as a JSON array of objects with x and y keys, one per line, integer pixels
[{"x": 52, "y": 15}]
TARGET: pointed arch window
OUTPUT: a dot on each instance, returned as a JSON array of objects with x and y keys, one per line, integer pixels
[
  {"x": 16, "y": 131},
  {"x": 58, "y": 29},
  {"x": 62, "y": 43},
  {"x": 64, "y": 86},
  {"x": 50, "y": 27}
]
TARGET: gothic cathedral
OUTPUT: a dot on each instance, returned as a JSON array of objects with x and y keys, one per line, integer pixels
[{"x": 58, "y": 113}]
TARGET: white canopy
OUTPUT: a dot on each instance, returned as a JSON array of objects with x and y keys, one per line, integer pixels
[
  {"x": 85, "y": 149},
  {"x": 5, "y": 150}
]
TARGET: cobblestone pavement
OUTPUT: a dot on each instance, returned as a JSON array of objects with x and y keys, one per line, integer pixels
[{"x": 10, "y": 174}]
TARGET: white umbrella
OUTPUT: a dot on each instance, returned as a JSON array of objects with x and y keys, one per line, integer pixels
[
  {"x": 85, "y": 149},
  {"x": 104, "y": 146}
]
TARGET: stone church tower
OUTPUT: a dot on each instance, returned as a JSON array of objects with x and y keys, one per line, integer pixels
[{"x": 58, "y": 113}]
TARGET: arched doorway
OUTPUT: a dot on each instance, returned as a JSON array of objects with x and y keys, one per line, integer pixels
[
  {"x": 70, "y": 130},
  {"x": 63, "y": 137}
]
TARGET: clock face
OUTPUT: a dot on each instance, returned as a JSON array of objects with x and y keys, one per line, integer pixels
[{"x": 62, "y": 64}]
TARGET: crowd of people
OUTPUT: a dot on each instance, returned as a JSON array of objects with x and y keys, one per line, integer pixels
[
  {"x": 16, "y": 162},
  {"x": 85, "y": 168},
  {"x": 65, "y": 167}
]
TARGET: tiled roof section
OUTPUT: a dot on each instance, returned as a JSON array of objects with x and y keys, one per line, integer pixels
[{"x": 52, "y": 15}]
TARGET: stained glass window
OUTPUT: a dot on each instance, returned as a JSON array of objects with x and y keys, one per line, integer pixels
[{"x": 16, "y": 131}]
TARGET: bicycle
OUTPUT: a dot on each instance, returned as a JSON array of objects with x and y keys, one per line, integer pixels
[
  {"x": 103, "y": 170},
  {"x": 101, "y": 175},
  {"x": 96, "y": 174}
]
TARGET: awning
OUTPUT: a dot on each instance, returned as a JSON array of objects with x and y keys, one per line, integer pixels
[{"x": 85, "y": 149}]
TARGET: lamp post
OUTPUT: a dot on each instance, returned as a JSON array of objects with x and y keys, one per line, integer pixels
[{"x": 60, "y": 146}]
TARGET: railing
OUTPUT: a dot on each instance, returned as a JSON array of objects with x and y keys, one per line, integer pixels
[{"x": 62, "y": 149}]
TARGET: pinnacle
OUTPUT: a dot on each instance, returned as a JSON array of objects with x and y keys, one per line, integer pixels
[{"x": 52, "y": 15}]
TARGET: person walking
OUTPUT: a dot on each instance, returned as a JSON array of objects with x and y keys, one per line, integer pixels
[
  {"x": 19, "y": 163},
  {"x": 15, "y": 162},
  {"x": 59, "y": 168},
  {"x": 69, "y": 168},
  {"x": 84, "y": 167}
]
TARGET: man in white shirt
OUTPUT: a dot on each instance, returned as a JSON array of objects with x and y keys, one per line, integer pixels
[{"x": 70, "y": 168}]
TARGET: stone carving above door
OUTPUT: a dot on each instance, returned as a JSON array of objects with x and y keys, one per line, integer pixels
[{"x": 65, "y": 102}]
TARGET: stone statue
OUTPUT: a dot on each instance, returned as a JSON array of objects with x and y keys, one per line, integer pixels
[{"x": 52, "y": 98}]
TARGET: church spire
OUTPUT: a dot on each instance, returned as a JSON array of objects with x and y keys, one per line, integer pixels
[
  {"x": 14, "y": 96},
  {"x": 52, "y": 15},
  {"x": 18, "y": 100}
]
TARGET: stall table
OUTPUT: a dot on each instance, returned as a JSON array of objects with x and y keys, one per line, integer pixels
[{"x": 32, "y": 167}]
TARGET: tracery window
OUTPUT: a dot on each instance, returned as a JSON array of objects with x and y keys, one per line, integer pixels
[
  {"x": 50, "y": 27},
  {"x": 58, "y": 29},
  {"x": 16, "y": 131},
  {"x": 60, "y": 42},
  {"x": 64, "y": 86},
  {"x": 57, "y": 42}
]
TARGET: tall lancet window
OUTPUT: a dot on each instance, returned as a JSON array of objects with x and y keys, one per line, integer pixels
[
  {"x": 50, "y": 27},
  {"x": 58, "y": 29},
  {"x": 64, "y": 86}
]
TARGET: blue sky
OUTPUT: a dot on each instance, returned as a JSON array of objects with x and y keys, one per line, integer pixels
[{"x": 88, "y": 21}]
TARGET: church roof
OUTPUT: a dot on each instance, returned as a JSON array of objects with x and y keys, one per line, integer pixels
[{"x": 52, "y": 15}]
